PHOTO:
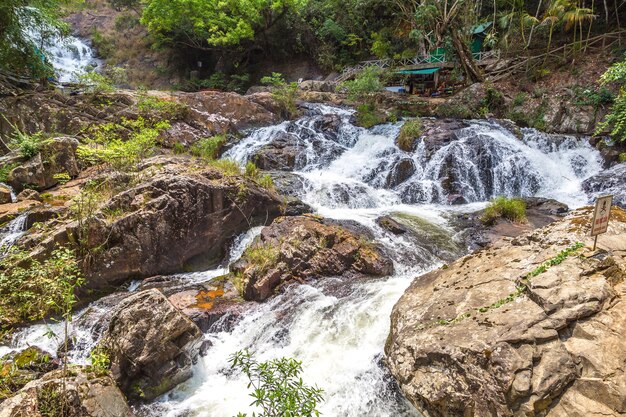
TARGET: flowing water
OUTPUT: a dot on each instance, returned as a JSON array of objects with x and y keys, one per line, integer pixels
[
  {"x": 10, "y": 233},
  {"x": 70, "y": 56},
  {"x": 337, "y": 328}
]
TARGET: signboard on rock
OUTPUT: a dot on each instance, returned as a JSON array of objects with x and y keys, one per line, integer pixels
[{"x": 601, "y": 217}]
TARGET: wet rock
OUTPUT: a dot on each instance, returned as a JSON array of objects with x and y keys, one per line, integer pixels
[
  {"x": 296, "y": 207},
  {"x": 401, "y": 171},
  {"x": 288, "y": 184},
  {"x": 56, "y": 157},
  {"x": 29, "y": 195},
  {"x": 214, "y": 306},
  {"x": 540, "y": 212},
  {"x": 81, "y": 394},
  {"x": 281, "y": 154},
  {"x": 387, "y": 222},
  {"x": 607, "y": 182},
  {"x": 5, "y": 195},
  {"x": 303, "y": 248},
  {"x": 151, "y": 344},
  {"x": 464, "y": 342}
]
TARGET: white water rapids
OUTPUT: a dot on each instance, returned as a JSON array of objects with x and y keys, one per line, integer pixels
[{"x": 338, "y": 328}]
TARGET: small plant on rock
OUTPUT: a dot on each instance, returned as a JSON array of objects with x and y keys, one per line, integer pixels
[
  {"x": 513, "y": 209},
  {"x": 278, "y": 389},
  {"x": 411, "y": 131},
  {"x": 283, "y": 92},
  {"x": 209, "y": 148}
]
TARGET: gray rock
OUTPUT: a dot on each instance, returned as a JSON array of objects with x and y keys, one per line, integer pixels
[
  {"x": 151, "y": 344},
  {"x": 611, "y": 181},
  {"x": 462, "y": 345},
  {"x": 86, "y": 395}
]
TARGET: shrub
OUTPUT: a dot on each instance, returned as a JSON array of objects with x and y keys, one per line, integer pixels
[
  {"x": 251, "y": 170},
  {"x": 277, "y": 387},
  {"x": 209, "y": 148},
  {"x": 108, "y": 145},
  {"x": 28, "y": 145},
  {"x": 367, "y": 116},
  {"x": 164, "y": 109},
  {"x": 513, "y": 209},
  {"x": 615, "y": 121},
  {"x": 5, "y": 171},
  {"x": 31, "y": 289},
  {"x": 284, "y": 93},
  {"x": 95, "y": 83},
  {"x": 364, "y": 85},
  {"x": 411, "y": 131}
]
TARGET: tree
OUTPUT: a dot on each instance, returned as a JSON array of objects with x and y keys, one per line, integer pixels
[
  {"x": 447, "y": 20},
  {"x": 19, "y": 51},
  {"x": 210, "y": 24},
  {"x": 277, "y": 387}
]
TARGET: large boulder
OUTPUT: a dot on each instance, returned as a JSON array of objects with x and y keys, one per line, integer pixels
[
  {"x": 151, "y": 345},
  {"x": 610, "y": 181},
  {"x": 173, "y": 222},
  {"x": 56, "y": 156},
  {"x": 519, "y": 329},
  {"x": 6, "y": 194},
  {"x": 82, "y": 393},
  {"x": 303, "y": 248}
]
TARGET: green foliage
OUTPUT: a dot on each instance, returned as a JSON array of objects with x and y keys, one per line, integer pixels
[
  {"x": 28, "y": 145},
  {"x": 100, "y": 360},
  {"x": 411, "y": 131},
  {"x": 31, "y": 289},
  {"x": 593, "y": 97},
  {"x": 364, "y": 85},
  {"x": 278, "y": 389},
  {"x": 122, "y": 145},
  {"x": 267, "y": 182},
  {"x": 5, "y": 170},
  {"x": 209, "y": 148},
  {"x": 615, "y": 120},
  {"x": 519, "y": 99},
  {"x": 261, "y": 256},
  {"x": 218, "y": 24},
  {"x": 367, "y": 116},
  {"x": 513, "y": 209},
  {"x": 284, "y": 93},
  {"x": 62, "y": 178},
  {"x": 104, "y": 45},
  {"x": 521, "y": 287},
  {"x": 251, "y": 170},
  {"x": 151, "y": 106},
  {"x": 494, "y": 99},
  {"x": 227, "y": 166},
  {"x": 95, "y": 83}
]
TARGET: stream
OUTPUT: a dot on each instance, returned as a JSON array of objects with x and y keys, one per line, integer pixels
[{"x": 336, "y": 327}]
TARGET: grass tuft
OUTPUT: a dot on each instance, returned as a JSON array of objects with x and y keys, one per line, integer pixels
[{"x": 513, "y": 209}]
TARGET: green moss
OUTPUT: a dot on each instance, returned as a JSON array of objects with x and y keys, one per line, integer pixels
[
  {"x": 410, "y": 132},
  {"x": 622, "y": 157},
  {"x": 513, "y": 209},
  {"x": 227, "y": 166},
  {"x": 434, "y": 234}
]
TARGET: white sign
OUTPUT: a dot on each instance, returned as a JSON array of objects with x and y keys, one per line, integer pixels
[{"x": 601, "y": 215}]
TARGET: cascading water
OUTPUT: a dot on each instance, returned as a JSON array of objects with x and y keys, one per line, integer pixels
[
  {"x": 69, "y": 56},
  {"x": 338, "y": 327},
  {"x": 11, "y": 233}
]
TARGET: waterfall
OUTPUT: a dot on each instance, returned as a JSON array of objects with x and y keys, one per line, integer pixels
[
  {"x": 338, "y": 327},
  {"x": 11, "y": 233},
  {"x": 70, "y": 56}
]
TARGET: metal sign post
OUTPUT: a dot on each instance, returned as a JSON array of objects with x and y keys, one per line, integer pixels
[{"x": 601, "y": 217}]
